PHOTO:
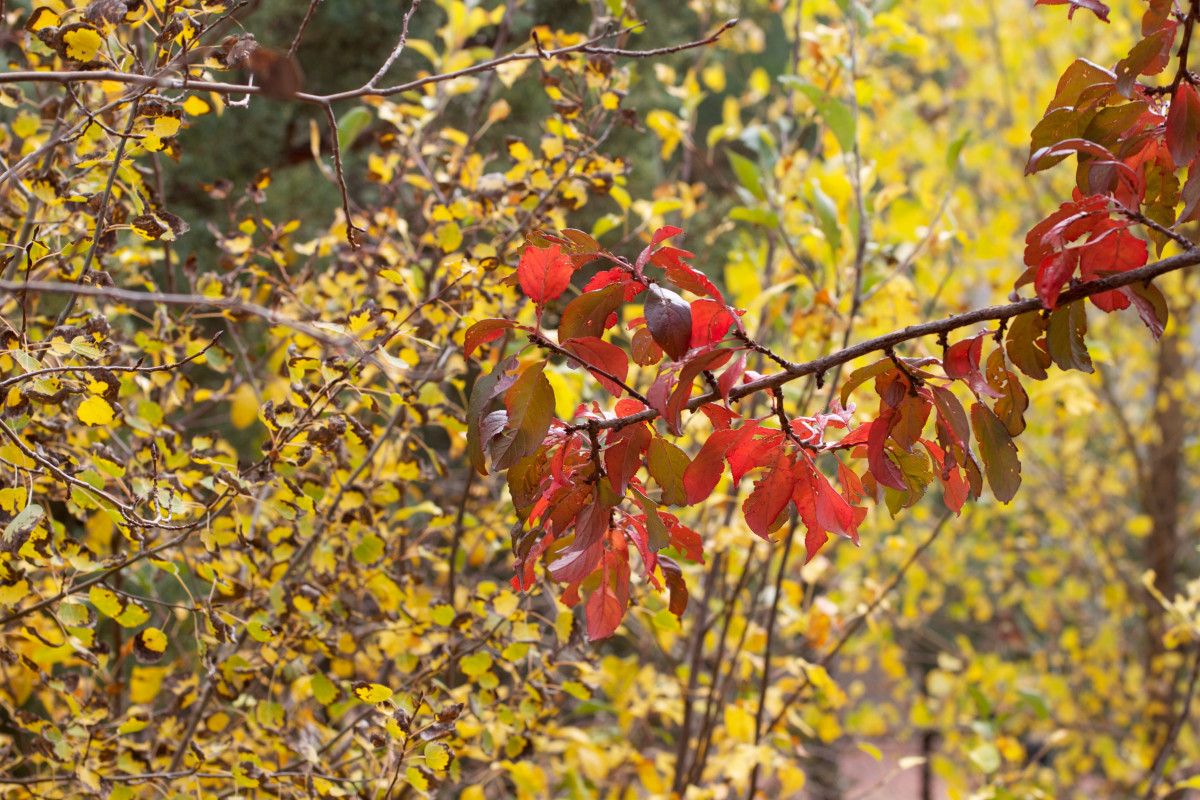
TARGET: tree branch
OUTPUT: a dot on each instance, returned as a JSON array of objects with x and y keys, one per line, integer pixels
[
  {"x": 883, "y": 343},
  {"x": 588, "y": 47}
]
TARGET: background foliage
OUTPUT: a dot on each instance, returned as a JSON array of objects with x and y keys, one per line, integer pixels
[{"x": 244, "y": 550}]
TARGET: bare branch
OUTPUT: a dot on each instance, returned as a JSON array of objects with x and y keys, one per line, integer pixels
[
  {"x": 351, "y": 230},
  {"x": 159, "y": 81},
  {"x": 107, "y": 367},
  {"x": 173, "y": 299},
  {"x": 397, "y": 50}
]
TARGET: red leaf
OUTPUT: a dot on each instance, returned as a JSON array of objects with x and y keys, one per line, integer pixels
[
  {"x": 684, "y": 539},
  {"x": 580, "y": 558},
  {"x": 544, "y": 273},
  {"x": 703, "y": 474},
  {"x": 604, "y": 610},
  {"x": 1183, "y": 124},
  {"x": 623, "y": 457},
  {"x": 1119, "y": 251},
  {"x": 484, "y": 331},
  {"x": 731, "y": 376},
  {"x": 676, "y": 585},
  {"x": 644, "y": 349},
  {"x": 669, "y": 319},
  {"x": 699, "y": 362},
  {"x": 664, "y": 233},
  {"x": 753, "y": 448},
  {"x": 618, "y": 276},
  {"x": 710, "y": 322},
  {"x": 660, "y": 236},
  {"x": 806, "y": 508},
  {"x": 961, "y": 363},
  {"x": 770, "y": 496},
  {"x": 604, "y": 356},
  {"x": 882, "y": 467},
  {"x": 1052, "y": 273},
  {"x": 833, "y": 512}
]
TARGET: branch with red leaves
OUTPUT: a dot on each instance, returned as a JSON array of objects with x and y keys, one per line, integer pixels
[
  {"x": 593, "y": 488},
  {"x": 578, "y": 484}
]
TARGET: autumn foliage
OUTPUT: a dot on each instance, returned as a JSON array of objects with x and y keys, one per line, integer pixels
[{"x": 506, "y": 433}]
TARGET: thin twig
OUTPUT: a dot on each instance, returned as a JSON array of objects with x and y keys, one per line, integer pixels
[
  {"x": 102, "y": 213},
  {"x": 398, "y": 49},
  {"x": 308, "y": 15},
  {"x": 107, "y": 367},
  {"x": 351, "y": 229},
  {"x": 173, "y": 299}
]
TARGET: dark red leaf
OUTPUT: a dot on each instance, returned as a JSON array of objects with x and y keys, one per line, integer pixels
[
  {"x": 669, "y": 319},
  {"x": 588, "y": 314},
  {"x": 1151, "y": 306},
  {"x": 484, "y": 331},
  {"x": 883, "y": 469},
  {"x": 624, "y": 455},
  {"x": 1183, "y": 124},
  {"x": 676, "y": 585}
]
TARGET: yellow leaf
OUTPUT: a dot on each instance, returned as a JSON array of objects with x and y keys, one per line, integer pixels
[
  {"x": 95, "y": 411},
  {"x": 145, "y": 683},
  {"x": 372, "y": 692},
  {"x": 149, "y": 645},
  {"x": 196, "y": 106},
  {"x": 243, "y": 407},
  {"x": 437, "y": 757},
  {"x": 82, "y": 43}
]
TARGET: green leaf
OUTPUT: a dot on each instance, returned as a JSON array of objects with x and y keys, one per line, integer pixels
[
  {"x": 23, "y": 523},
  {"x": 955, "y": 149},
  {"x": 351, "y": 125},
  {"x": 666, "y": 464},
  {"x": 369, "y": 549},
  {"x": 1065, "y": 334},
  {"x": 827, "y": 216},
  {"x": 1000, "y": 461},
  {"x": 530, "y": 405},
  {"x": 836, "y": 114},
  {"x": 986, "y": 757},
  {"x": 747, "y": 173}
]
